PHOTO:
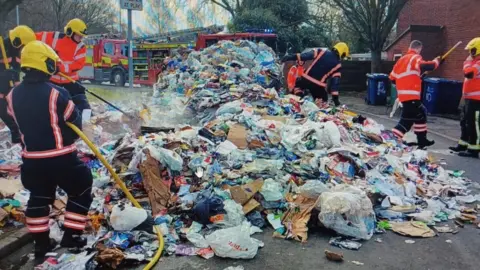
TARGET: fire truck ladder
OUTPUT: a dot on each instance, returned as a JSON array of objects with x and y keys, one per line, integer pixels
[{"x": 174, "y": 34}]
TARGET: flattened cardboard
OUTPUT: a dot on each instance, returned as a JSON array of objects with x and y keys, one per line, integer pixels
[{"x": 238, "y": 136}]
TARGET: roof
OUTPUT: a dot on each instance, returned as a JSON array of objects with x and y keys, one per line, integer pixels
[{"x": 416, "y": 28}]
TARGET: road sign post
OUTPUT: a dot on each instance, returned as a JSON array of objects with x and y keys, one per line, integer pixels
[{"x": 130, "y": 5}]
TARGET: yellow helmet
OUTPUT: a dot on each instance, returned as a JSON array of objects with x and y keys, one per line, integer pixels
[
  {"x": 342, "y": 49},
  {"x": 21, "y": 36},
  {"x": 76, "y": 26},
  {"x": 39, "y": 56},
  {"x": 474, "y": 47}
]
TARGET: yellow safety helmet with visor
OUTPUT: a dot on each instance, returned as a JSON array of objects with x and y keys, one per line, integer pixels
[
  {"x": 38, "y": 55},
  {"x": 342, "y": 49},
  {"x": 474, "y": 47},
  {"x": 21, "y": 36},
  {"x": 76, "y": 26}
]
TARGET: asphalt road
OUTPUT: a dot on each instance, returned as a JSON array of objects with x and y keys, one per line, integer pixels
[{"x": 392, "y": 253}]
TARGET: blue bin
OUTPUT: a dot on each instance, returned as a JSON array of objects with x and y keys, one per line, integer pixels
[
  {"x": 378, "y": 86},
  {"x": 441, "y": 96}
]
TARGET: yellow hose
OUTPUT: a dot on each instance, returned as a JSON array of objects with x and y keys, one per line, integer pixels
[{"x": 125, "y": 190}]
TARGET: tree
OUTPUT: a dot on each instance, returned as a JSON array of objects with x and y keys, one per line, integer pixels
[
  {"x": 6, "y": 7},
  {"x": 372, "y": 21}
]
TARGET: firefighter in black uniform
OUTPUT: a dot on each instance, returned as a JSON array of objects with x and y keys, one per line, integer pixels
[
  {"x": 10, "y": 70},
  {"x": 326, "y": 66},
  {"x": 41, "y": 110}
]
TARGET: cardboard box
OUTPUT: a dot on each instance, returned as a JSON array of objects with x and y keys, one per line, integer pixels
[
  {"x": 242, "y": 194},
  {"x": 250, "y": 205}
]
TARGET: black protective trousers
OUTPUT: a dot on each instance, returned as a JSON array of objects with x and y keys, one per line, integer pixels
[
  {"x": 42, "y": 176},
  {"x": 470, "y": 125},
  {"x": 317, "y": 91},
  {"x": 414, "y": 114}
]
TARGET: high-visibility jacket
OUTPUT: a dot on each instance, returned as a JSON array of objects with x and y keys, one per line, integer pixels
[
  {"x": 71, "y": 53},
  {"x": 41, "y": 110},
  {"x": 471, "y": 85},
  {"x": 407, "y": 75}
]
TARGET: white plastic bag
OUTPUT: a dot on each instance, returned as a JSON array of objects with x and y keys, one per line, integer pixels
[
  {"x": 235, "y": 215},
  {"x": 313, "y": 189},
  {"x": 128, "y": 218},
  {"x": 234, "y": 243},
  {"x": 271, "y": 190},
  {"x": 167, "y": 157},
  {"x": 348, "y": 211},
  {"x": 197, "y": 240}
]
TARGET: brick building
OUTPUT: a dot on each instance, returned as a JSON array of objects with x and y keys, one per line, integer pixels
[{"x": 439, "y": 24}]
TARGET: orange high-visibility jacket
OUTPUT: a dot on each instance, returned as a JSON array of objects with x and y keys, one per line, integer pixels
[
  {"x": 471, "y": 87},
  {"x": 407, "y": 75},
  {"x": 71, "y": 53}
]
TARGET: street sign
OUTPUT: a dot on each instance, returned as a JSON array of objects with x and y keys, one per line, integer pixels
[{"x": 131, "y": 4}]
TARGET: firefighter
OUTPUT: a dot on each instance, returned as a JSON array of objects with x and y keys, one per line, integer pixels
[
  {"x": 41, "y": 110},
  {"x": 406, "y": 74},
  {"x": 17, "y": 39},
  {"x": 72, "y": 52},
  {"x": 326, "y": 65},
  {"x": 469, "y": 143}
]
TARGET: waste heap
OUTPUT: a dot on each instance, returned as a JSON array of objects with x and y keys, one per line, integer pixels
[{"x": 234, "y": 157}]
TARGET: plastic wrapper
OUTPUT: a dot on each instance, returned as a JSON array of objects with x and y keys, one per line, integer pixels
[
  {"x": 348, "y": 211},
  {"x": 313, "y": 189},
  {"x": 271, "y": 190}
]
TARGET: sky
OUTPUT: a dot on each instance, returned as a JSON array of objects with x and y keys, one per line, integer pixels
[{"x": 160, "y": 16}]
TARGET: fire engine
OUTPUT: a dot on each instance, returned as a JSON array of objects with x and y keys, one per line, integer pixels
[{"x": 107, "y": 57}]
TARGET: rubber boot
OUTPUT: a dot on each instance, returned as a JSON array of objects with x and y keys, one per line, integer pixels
[
  {"x": 73, "y": 239},
  {"x": 423, "y": 142},
  {"x": 458, "y": 148},
  {"x": 469, "y": 153},
  {"x": 43, "y": 245}
]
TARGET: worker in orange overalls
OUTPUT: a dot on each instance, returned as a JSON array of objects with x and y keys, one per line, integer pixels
[
  {"x": 406, "y": 74},
  {"x": 72, "y": 52},
  {"x": 469, "y": 143}
]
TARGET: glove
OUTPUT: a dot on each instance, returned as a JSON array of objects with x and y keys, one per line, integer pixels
[
  {"x": 469, "y": 75},
  {"x": 440, "y": 59}
]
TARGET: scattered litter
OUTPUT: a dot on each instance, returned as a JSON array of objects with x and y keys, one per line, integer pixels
[
  {"x": 448, "y": 241},
  {"x": 334, "y": 256},
  {"x": 410, "y": 241},
  {"x": 224, "y": 154},
  {"x": 343, "y": 243},
  {"x": 444, "y": 229},
  {"x": 235, "y": 268},
  {"x": 357, "y": 263}
]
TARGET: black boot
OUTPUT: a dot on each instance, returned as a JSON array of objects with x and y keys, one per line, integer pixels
[
  {"x": 73, "y": 239},
  {"x": 469, "y": 153},
  {"x": 43, "y": 245},
  {"x": 423, "y": 142},
  {"x": 458, "y": 148}
]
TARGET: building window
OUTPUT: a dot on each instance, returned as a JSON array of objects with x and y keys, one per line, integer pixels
[{"x": 397, "y": 56}]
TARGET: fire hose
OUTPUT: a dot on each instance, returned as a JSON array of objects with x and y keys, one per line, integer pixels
[{"x": 129, "y": 195}]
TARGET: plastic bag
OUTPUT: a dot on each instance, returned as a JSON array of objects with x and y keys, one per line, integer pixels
[
  {"x": 233, "y": 107},
  {"x": 313, "y": 189},
  {"x": 234, "y": 243},
  {"x": 167, "y": 157},
  {"x": 126, "y": 217},
  {"x": 271, "y": 190},
  {"x": 197, "y": 240},
  {"x": 235, "y": 215},
  {"x": 348, "y": 211}
]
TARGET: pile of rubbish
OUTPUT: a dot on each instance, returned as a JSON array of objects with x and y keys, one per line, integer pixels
[{"x": 227, "y": 156}]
